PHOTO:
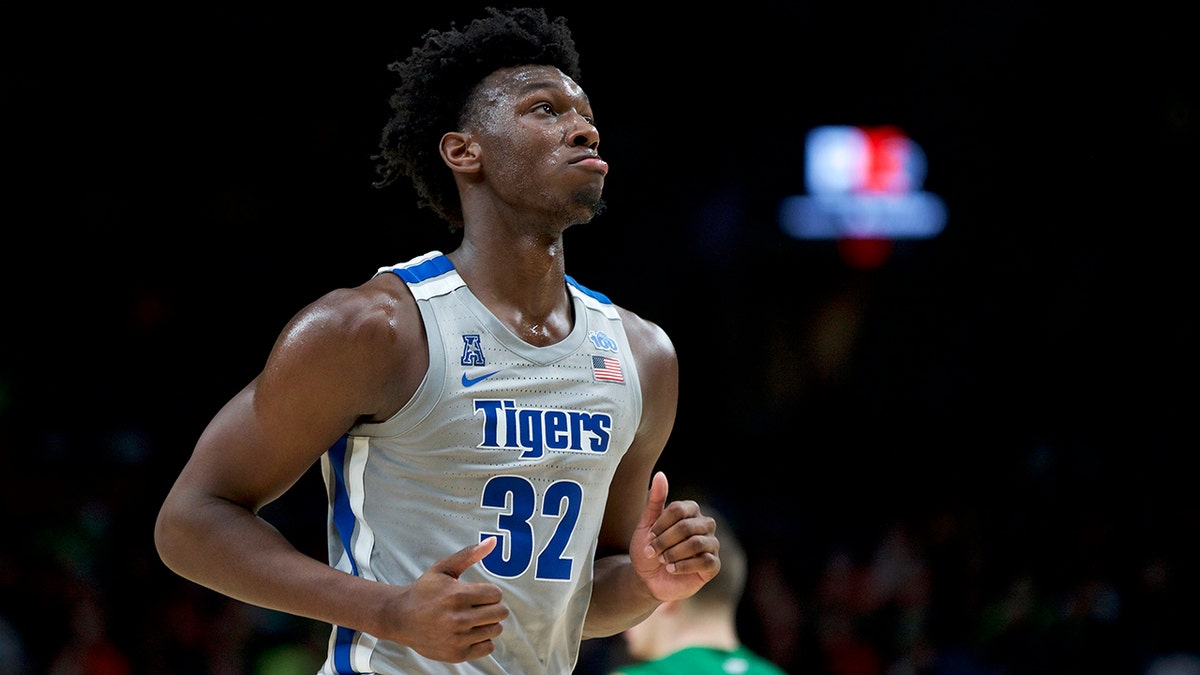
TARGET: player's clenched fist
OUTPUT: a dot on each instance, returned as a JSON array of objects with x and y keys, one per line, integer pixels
[
  {"x": 674, "y": 547},
  {"x": 446, "y": 619}
]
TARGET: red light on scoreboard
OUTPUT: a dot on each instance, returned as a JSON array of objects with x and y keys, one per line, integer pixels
[{"x": 863, "y": 184}]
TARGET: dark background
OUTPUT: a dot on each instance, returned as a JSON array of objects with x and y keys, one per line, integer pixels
[{"x": 974, "y": 458}]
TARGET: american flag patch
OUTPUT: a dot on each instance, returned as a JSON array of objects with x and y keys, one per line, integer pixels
[{"x": 606, "y": 369}]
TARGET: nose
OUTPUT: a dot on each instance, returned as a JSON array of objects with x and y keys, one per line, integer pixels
[{"x": 584, "y": 133}]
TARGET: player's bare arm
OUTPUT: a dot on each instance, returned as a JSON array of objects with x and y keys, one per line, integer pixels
[
  {"x": 631, "y": 583},
  {"x": 262, "y": 441},
  {"x": 354, "y": 354}
]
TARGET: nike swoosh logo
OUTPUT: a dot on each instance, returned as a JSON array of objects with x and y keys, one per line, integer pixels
[{"x": 470, "y": 381}]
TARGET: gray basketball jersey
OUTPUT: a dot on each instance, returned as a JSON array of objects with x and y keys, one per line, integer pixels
[{"x": 502, "y": 439}]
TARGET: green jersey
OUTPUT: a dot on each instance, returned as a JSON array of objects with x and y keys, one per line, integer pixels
[{"x": 703, "y": 661}]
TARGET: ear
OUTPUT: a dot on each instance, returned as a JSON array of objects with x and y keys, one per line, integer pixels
[{"x": 460, "y": 152}]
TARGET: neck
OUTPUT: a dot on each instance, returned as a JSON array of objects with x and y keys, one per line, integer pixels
[
  {"x": 520, "y": 279},
  {"x": 713, "y": 634}
]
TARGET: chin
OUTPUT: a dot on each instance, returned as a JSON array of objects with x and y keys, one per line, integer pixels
[{"x": 593, "y": 203}]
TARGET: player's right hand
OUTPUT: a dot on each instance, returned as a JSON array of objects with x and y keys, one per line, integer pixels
[{"x": 449, "y": 620}]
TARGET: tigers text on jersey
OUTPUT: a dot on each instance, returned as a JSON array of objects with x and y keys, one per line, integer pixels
[{"x": 501, "y": 439}]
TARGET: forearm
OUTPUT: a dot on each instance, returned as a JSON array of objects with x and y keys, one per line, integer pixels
[
  {"x": 620, "y": 599},
  {"x": 224, "y": 547}
]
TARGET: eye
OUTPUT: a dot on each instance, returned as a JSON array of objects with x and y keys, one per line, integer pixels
[{"x": 546, "y": 108}]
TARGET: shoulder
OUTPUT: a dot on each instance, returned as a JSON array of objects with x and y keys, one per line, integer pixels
[
  {"x": 758, "y": 664},
  {"x": 376, "y": 309},
  {"x": 368, "y": 338},
  {"x": 651, "y": 345},
  {"x": 661, "y": 666},
  {"x": 657, "y": 365},
  {"x": 647, "y": 339},
  {"x": 658, "y": 375}
]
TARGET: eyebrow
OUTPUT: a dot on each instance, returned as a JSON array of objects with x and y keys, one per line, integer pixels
[
  {"x": 530, "y": 87},
  {"x": 551, "y": 85}
]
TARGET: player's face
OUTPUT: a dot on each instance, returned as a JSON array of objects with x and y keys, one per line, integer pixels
[{"x": 539, "y": 143}]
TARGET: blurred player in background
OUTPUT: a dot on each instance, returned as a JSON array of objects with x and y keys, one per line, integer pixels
[{"x": 698, "y": 635}]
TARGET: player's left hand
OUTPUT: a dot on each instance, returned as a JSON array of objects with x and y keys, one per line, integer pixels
[{"x": 674, "y": 547}]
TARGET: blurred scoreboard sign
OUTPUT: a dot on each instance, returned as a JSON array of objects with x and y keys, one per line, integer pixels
[{"x": 863, "y": 183}]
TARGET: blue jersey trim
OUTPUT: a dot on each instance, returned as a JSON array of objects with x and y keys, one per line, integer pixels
[
  {"x": 587, "y": 291},
  {"x": 341, "y": 651},
  {"x": 343, "y": 516},
  {"x": 441, "y": 264},
  {"x": 426, "y": 270}
]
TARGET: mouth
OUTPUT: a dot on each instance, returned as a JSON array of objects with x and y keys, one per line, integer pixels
[{"x": 592, "y": 162}]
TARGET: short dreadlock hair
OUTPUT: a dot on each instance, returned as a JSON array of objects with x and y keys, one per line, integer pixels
[{"x": 437, "y": 80}]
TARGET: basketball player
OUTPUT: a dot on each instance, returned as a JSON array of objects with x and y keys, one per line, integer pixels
[{"x": 486, "y": 426}]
